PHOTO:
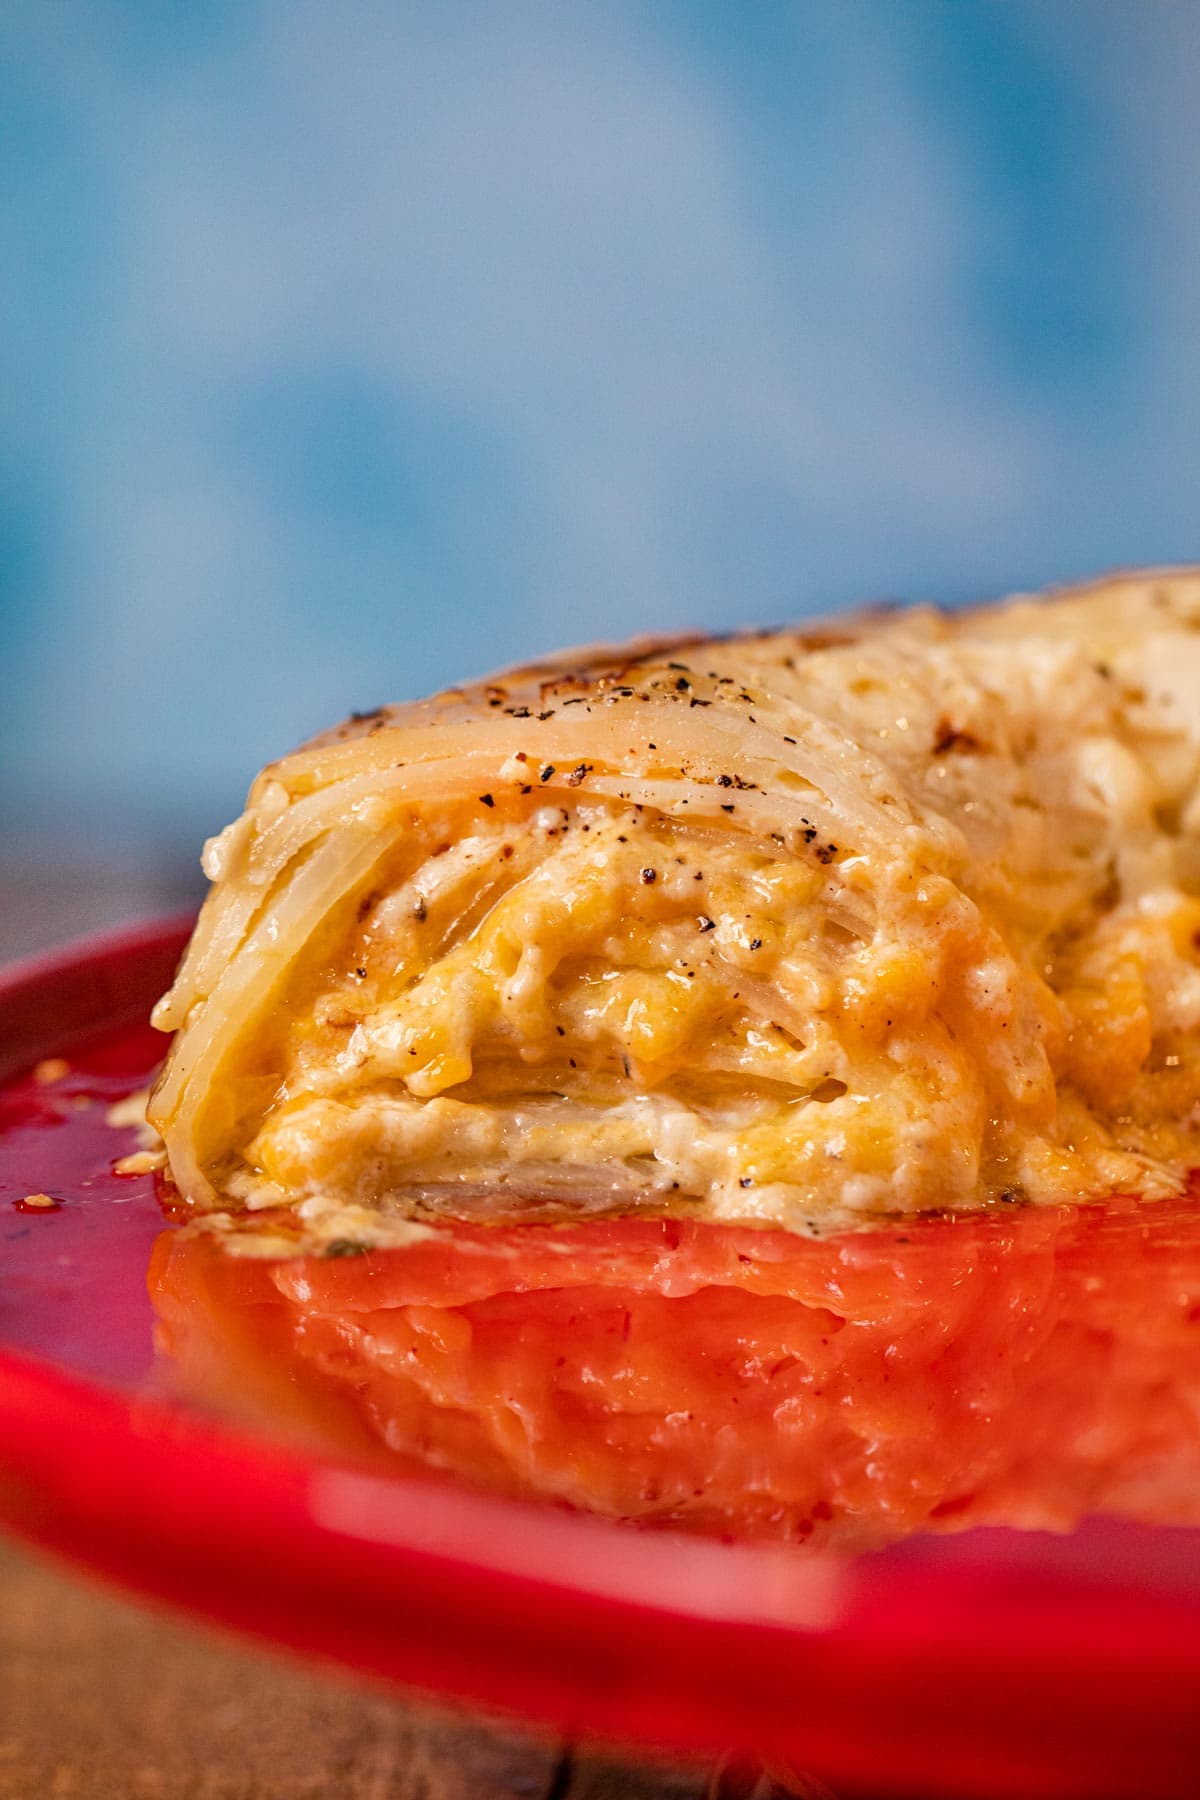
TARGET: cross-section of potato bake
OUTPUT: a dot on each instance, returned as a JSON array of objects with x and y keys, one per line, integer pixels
[{"x": 809, "y": 928}]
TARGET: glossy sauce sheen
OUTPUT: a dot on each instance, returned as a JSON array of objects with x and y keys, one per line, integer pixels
[{"x": 73, "y": 1285}]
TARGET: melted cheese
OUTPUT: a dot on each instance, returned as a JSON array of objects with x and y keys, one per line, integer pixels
[{"x": 798, "y": 929}]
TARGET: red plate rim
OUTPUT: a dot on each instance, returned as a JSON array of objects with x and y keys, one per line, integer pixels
[{"x": 1001, "y": 1662}]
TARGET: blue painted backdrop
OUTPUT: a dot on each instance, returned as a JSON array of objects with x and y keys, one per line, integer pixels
[{"x": 348, "y": 349}]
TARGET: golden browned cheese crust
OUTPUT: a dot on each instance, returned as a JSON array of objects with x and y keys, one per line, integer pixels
[{"x": 802, "y": 928}]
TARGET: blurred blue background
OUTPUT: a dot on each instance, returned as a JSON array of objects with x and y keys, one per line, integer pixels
[{"x": 345, "y": 350}]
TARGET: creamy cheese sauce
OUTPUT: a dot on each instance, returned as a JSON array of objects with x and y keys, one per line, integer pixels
[{"x": 781, "y": 929}]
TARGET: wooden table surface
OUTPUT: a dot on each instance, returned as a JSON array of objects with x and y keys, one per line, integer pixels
[{"x": 102, "y": 1699}]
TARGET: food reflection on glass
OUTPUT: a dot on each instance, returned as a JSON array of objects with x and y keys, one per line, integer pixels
[{"x": 744, "y": 1083}]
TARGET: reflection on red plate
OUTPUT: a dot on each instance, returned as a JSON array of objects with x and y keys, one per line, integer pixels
[
  {"x": 1025, "y": 1367},
  {"x": 1015, "y": 1368},
  {"x": 991, "y": 1663}
]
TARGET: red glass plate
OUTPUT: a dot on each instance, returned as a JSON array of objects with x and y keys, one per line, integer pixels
[{"x": 994, "y": 1663}]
